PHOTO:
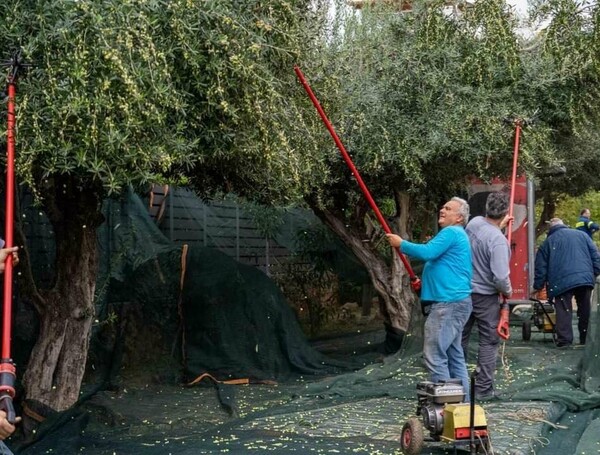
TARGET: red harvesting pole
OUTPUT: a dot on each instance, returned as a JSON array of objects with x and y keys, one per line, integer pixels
[
  {"x": 414, "y": 280},
  {"x": 8, "y": 371},
  {"x": 513, "y": 182},
  {"x": 8, "y": 227},
  {"x": 503, "y": 328}
]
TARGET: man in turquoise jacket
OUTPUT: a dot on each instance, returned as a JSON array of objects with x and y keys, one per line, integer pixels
[{"x": 446, "y": 289}]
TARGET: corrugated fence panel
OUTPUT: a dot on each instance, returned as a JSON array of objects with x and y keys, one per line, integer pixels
[{"x": 222, "y": 225}]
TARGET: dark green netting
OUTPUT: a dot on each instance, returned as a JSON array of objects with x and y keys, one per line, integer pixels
[
  {"x": 127, "y": 239},
  {"x": 143, "y": 269},
  {"x": 231, "y": 320},
  {"x": 237, "y": 323},
  {"x": 590, "y": 365},
  {"x": 342, "y": 414}
]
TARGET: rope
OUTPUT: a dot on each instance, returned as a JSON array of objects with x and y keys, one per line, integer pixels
[
  {"x": 241, "y": 381},
  {"x": 539, "y": 439},
  {"x": 216, "y": 381},
  {"x": 483, "y": 446},
  {"x": 505, "y": 365},
  {"x": 535, "y": 415}
]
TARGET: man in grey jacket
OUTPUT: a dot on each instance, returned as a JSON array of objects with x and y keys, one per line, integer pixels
[{"x": 490, "y": 254}]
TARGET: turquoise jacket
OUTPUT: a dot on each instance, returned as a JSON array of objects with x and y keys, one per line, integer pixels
[{"x": 448, "y": 270}]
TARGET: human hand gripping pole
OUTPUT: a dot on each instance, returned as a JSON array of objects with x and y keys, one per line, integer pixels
[
  {"x": 415, "y": 282},
  {"x": 503, "y": 329}
]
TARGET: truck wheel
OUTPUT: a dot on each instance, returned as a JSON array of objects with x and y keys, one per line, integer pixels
[
  {"x": 526, "y": 331},
  {"x": 412, "y": 437}
]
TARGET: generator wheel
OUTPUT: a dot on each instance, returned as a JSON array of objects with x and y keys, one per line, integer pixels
[
  {"x": 412, "y": 437},
  {"x": 526, "y": 330}
]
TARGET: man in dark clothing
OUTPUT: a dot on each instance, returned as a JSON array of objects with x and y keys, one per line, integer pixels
[
  {"x": 585, "y": 224},
  {"x": 567, "y": 263}
]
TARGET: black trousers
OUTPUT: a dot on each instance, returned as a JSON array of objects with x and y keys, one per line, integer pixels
[{"x": 563, "y": 305}]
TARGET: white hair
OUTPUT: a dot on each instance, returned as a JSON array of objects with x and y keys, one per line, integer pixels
[
  {"x": 555, "y": 221},
  {"x": 463, "y": 209}
]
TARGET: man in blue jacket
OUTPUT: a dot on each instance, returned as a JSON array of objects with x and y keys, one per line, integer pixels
[
  {"x": 446, "y": 288},
  {"x": 585, "y": 224},
  {"x": 567, "y": 263}
]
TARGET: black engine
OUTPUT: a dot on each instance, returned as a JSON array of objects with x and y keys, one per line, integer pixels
[{"x": 432, "y": 397}]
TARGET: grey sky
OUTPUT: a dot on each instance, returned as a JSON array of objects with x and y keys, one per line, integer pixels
[{"x": 521, "y": 5}]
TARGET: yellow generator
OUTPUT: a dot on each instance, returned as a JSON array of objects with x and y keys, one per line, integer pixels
[{"x": 441, "y": 411}]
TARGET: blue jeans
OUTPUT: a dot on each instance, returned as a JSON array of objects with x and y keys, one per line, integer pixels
[
  {"x": 442, "y": 344},
  {"x": 4, "y": 450}
]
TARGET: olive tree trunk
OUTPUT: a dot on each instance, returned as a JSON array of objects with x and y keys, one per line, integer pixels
[
  {"x": 56, "y": 367},
  {"x": 392, "y": 284}
]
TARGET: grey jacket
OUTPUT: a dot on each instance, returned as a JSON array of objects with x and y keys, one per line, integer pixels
[{"x": 491, "y": 255}]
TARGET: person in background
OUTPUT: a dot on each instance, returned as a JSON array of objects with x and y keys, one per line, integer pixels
[
  {"x": 567, "y": 263},
  {"x": 4, "y": 252},
  {"x": 6, "y": 428},
  {"x": 446, "y": 290},
  {"x": 491, "y": 254},
  {"x": 585, "y": 224}
]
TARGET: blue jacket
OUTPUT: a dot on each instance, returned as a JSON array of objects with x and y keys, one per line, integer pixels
[
  {"x": 567, "y": 259},
  {"x": 448, "y": 270},
  {"x": 586, "y": 225}
]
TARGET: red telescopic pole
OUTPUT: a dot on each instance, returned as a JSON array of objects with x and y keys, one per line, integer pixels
[
  {"x": 503, "y": 329},
  {"x": 414, "y": 280},
  {"x": 8, "y": 227},
  {"x": 7, "y": 367},
  {"x": 513, "y": 181}
]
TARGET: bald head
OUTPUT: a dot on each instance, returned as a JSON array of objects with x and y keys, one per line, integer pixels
[{"x": 556, "y": 222}]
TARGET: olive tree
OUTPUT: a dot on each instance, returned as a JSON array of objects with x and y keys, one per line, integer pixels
[
  {"x": 130, "y": 92},
  {"x": 565, "y": 57},
  {"x": 419, "y": 100}
]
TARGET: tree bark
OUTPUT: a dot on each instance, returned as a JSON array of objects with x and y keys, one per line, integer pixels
[
  {"x": 548, "y": 212},
  {"x": 402, "y": 202},
  {"x": 55, "y": 369},
  {"x": 392, "y": 285}
]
